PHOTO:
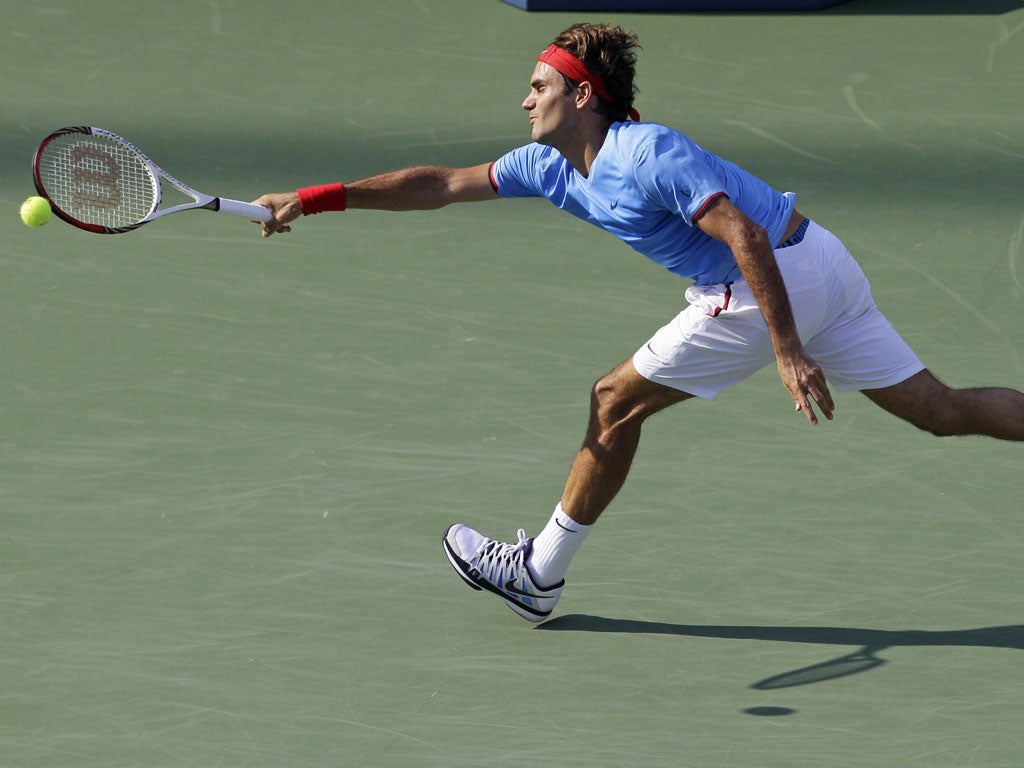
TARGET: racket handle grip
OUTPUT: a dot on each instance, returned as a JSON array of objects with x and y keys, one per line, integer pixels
[{"x": 245, "y": 210}]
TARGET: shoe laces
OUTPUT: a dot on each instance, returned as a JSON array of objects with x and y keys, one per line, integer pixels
[{"x": 498, "y": 561}]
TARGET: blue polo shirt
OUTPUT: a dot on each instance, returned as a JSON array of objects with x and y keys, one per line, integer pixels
[{"x": 647, "y": 186}]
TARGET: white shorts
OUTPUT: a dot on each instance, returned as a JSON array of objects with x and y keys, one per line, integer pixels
[{"x": 720, "y": 339}]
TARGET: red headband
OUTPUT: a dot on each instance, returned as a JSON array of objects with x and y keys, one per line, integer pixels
[{"x": 566, "y": 64}]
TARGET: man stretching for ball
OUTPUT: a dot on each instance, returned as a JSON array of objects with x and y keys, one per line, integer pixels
[{"x": 769, "y": 284}]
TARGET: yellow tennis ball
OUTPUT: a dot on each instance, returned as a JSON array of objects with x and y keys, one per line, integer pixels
[{"x": 35, "y": 211}]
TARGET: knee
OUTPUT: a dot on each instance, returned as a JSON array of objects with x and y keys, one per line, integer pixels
[
  {"x": 610, "y": 402},
  {"x": 622, "y": 400},
  {"x": 926, "y": 403},
  {"x": 606, "y": 397},
  {"x": 938, "y": 424},
  {"x": 942, "y": 415}
]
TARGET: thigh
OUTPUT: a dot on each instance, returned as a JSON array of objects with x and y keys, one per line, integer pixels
[
  {"x": 853, "y": 342},
  {"x": 864, "y": 352},
  {"x": 637, "y": 394}
]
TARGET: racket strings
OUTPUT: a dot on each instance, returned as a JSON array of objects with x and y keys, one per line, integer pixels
[{"x": 97, "y": 181}]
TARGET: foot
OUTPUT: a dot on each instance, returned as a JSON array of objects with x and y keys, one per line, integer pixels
[{"x": 500, "y": 568}]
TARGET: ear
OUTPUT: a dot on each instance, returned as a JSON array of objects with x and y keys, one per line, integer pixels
[{"x": 584, "y": 92}]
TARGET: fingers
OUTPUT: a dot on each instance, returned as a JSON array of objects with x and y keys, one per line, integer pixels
[
  {"x": 818, "y": 394},
  {"x": 807, "y": 386},
  {"x": 272, "y": 226},
  {"x": 824, "y": 400},
  {"x": 269, "y": 228},
  {"x": 280, "y": 208},
  {"x": 808, "y": 411}
]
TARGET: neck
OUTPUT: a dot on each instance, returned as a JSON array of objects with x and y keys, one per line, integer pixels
[{"x": 582, "y": 149}]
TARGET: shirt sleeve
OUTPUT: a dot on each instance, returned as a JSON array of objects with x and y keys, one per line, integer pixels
[
  {"x": 517, "y": 173},
  {"x": 676, "y": 175}
]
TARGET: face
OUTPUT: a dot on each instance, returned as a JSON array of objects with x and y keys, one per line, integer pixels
[{"x": 551, "y": 108}]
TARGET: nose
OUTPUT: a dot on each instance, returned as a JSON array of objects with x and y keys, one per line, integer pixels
[{"x": 528, "y": 103}]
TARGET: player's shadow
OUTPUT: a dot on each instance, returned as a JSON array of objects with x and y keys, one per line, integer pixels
[{"x": 870, "y": 642}]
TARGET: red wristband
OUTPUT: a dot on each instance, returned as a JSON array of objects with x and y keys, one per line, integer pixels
[{"x": 324, "y": 197}]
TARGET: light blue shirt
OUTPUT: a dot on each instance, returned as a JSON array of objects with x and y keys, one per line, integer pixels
[{"x": 647, "y": 186}]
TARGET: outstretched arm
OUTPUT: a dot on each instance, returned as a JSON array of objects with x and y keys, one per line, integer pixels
[
  {"x": 801, "y": 375},
  {"x": 412, "y": 189}
]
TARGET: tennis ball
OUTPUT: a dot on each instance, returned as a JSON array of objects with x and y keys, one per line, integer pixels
[{"x": 35, "y": 211}]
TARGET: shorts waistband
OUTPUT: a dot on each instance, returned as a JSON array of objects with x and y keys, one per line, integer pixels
[{"x": 797, "y": 237}]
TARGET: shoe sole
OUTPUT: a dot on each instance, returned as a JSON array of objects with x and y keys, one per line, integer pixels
[{"x": 461, "y": 566}]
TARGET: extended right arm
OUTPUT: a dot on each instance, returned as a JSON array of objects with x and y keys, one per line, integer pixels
[{"x": 411, "y": 189}]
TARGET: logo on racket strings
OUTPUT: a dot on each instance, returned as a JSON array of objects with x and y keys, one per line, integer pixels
[{"x": 95, "y": 178}]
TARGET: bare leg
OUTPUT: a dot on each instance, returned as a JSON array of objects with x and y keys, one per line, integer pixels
[
  {"x": 930, "y": 405},
  {"x": 619, "y": 404}
]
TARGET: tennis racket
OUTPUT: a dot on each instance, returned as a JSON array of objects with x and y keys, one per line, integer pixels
[{"x": 101, "y": 182}]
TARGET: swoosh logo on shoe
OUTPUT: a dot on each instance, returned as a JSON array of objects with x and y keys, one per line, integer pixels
[{"x": 511, "y": 588}]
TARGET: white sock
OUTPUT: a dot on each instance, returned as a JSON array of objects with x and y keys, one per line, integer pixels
[{"x": 555, "y": 547}]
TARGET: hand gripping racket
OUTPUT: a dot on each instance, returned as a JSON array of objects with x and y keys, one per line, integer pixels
[{"x": 101, "y": 182}]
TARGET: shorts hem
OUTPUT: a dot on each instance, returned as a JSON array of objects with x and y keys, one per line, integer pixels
[{"x": 890, "y": 381}]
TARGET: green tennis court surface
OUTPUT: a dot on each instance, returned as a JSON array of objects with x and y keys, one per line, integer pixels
[{"x": 227, "y": 463}]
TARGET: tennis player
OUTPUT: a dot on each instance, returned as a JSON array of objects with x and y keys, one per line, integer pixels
[{"x": 768, "y": 285}]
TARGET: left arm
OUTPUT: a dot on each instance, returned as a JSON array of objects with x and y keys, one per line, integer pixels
[{"x": 755, "y": 256}]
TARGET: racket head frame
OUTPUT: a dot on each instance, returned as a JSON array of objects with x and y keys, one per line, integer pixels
[
  {"x": 58, "y": 191},
  {"x": 142, "y": 165}
]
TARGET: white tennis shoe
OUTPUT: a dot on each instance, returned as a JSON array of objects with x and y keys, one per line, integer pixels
[{"x": 500, "y": 568}]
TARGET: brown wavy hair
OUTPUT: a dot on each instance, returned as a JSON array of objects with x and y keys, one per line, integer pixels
[{"x": 611, "y": 53}]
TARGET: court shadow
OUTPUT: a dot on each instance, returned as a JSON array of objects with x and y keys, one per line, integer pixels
[{"x": 871, "y": 642}]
